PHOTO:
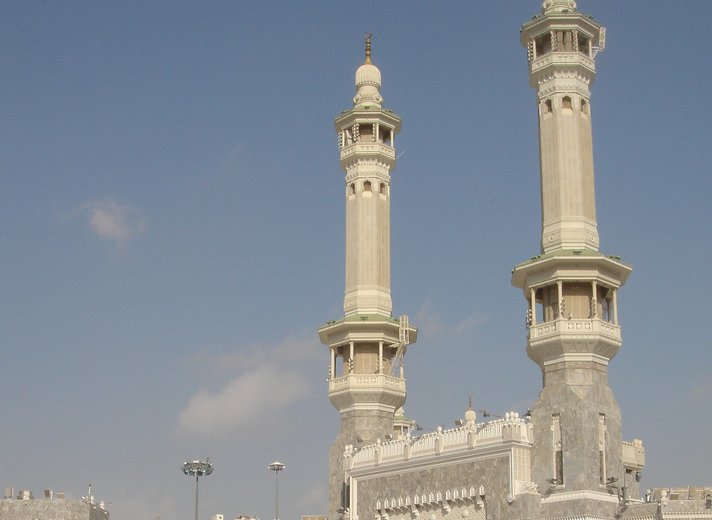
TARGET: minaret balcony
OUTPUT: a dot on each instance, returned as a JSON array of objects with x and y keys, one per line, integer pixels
[
  {"x": 563, "y": 58},
  {"x": 550, "y": 65},
  {"x": 574, "y": 327},
  {"x": 380, "y": 152},
  {"x": 366, "y": 383},
  {"x": 575, "y": 339},
  {"x": 370, "y": 391}
]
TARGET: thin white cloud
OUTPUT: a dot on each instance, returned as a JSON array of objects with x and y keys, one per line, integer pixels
[
  {"x": 473, "y": 321},
  {"x": 293, "y": 348},
  {"x": 114, "y": 221},
  {"x": 431, "y": 324},
  {"x": 245, "y": 400}
]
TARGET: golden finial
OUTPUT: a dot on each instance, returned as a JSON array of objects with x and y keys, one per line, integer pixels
[{"x": 367, "y": 38}]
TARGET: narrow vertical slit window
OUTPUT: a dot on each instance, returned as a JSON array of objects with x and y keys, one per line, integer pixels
[
  {"x": 602, "y": 447},
  {"x": 558, "y": 454}
]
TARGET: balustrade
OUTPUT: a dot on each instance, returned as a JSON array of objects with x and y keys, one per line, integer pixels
[
  {"x": 575, "y": 326},
  {"x": 366, "y": 381},
  {"x": 511, "y": 428}
]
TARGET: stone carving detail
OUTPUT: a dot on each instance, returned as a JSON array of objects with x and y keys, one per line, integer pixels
[{"x": 467, "y": 505}]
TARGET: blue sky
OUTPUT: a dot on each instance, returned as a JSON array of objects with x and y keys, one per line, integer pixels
[{"x": 172, "y": 222}]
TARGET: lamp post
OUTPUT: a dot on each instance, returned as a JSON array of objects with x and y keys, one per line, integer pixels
[
  {"x": 276, "y": 467},
  {"x": 197, "y": 469}
]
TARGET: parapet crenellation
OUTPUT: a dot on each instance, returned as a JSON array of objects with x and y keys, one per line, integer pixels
[{"x": 511, "y": 429}]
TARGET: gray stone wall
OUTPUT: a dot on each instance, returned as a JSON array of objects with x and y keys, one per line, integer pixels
[
  {"x": 45, "y": 509},
  {"x": 578, "y": 393},
  {"x": 492, "y": 473},
  {"x": 632, "y": 486},
  {"x": 357, "y": 429}
]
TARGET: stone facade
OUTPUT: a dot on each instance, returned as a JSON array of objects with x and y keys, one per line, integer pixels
[{"x": 476, "y": 469}]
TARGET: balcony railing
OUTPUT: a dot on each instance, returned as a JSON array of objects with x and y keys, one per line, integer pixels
[
  {"x": 562, "y": 58},
  {"x": 511, "y": 429},
  {"x": 566, "y": 327},
  {"x": 373, "y": 148},
  {"x": 366, "y": 381}
]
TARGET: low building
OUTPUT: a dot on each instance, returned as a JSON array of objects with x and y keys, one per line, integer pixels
[{"x": 51, "y": 506}]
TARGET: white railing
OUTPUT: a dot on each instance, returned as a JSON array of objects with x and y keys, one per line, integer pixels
[
  {"x": 509, "y": 429},
  {"x": 567, "y": 327},
  {"x": 365, "y": 381},
  {"x": 560, "y": 58},
  {"x": 371, "y": 148}
]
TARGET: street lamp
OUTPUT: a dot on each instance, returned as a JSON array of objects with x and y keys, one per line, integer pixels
[
  {"x": 276, "y": 467},
  {"x": 197, "y": 469}
]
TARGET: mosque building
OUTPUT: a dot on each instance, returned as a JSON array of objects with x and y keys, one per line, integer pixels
[{"x": 565, "y": 459}]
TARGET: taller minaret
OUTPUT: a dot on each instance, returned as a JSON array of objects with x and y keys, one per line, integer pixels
[
  {"x": 367, "y": 345},
  {"x": 571, "y": 288}
]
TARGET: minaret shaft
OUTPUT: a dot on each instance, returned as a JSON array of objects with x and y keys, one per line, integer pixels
[
  {"x": 567, "y": 185},
  {"x": 368, "y": 238},
  {"x": 367, "y": 344},
  {"x": 571, "y": 288},
  {"x": 562, "y": 69}
]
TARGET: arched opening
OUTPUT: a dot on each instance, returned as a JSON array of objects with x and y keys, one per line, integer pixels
[
  {"x": 546, "y": 107},
  {"x": 366, "y": 133}
]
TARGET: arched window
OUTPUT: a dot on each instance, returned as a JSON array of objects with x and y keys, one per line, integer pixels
[{"x": 546, "y": 107}]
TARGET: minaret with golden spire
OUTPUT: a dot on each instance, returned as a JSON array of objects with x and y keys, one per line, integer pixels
[{"x": 366, "y": 346}]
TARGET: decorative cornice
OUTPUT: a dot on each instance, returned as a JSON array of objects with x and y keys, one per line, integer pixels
[
  {"x": 437, "y": 499},
  {"x": 566, "y": 496},
  {"x": 691, "y": 515}
]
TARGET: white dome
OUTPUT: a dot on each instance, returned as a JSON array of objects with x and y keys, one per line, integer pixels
[
  {"x": 368, "y": 83},
  {"x": 368, "y": 74}
]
